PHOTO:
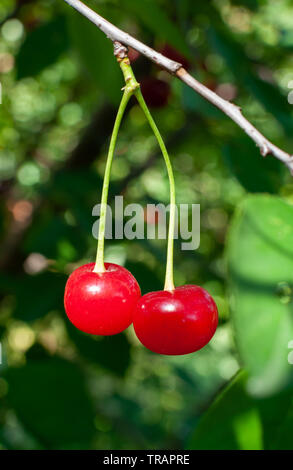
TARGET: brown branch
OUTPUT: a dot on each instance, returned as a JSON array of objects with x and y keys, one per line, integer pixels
[{"x": 234, "y": 112}]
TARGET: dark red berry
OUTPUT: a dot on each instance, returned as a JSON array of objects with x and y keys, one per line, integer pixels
[
  {"x": 178, "y": 322},
  {"x": 101, "y": 303},
  {"x": 173, "y": 54},
  {"x": 211, "y": 84},
  {"x": 155, "y": 92},
  {"x": 133, "y": 55}
]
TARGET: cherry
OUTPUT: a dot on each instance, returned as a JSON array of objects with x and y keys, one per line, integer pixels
[
  {"x": 133, "y": 55},
  {"x": 176, "y": 322},
  {"x": 101, "y": 303},
  {"x": 156, "y": 92},
  {"x": 173, "y": 54},
  {"x": 211, "y": 84}
]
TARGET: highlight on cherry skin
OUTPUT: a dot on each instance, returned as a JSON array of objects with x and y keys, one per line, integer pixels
[
  {"x": 101, "y": 303},
  {"x": 176, "y": 322}
]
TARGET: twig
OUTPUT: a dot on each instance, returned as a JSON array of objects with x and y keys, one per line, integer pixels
[{"x": 175, "y": 68}]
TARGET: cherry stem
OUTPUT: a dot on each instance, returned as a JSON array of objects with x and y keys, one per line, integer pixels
[
  {"x": 131, "y": 86},
  {"x": 169, "y": 279}
]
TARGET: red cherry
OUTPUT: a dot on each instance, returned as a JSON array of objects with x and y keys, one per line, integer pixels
[
  {"x": 133, "y": 55},
  {"x": 173, "y": 54},
  {"x": 178, "y": 322},
  {"x": 211, "y": 84},
  {"x": 155, "y": 92},
  {"x": 101, "y": 303}
]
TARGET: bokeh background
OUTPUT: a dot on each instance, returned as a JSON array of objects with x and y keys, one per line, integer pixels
[{"x": 61, "y": 389}]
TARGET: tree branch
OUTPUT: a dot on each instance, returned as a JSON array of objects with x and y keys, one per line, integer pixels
[{"x": 175, "y": 68}]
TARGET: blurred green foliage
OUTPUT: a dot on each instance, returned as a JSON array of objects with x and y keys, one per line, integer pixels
[
  {"x": 62, "y": 389},
  {"x": 250, "y": 423}
]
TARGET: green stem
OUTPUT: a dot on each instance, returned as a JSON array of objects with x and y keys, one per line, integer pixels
[
  {"x": 131, "y": 86},
  {"x": 169, "y": 279}
]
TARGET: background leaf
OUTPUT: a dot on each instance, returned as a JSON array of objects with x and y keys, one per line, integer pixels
[
  {"x": 111, "y": 353},
  {"x": 148, "y": 280},
  {"x": 63, "y": 416},
  {"x": 260, "y": 261},
  {"x": 42, "y": 47},
  {"x": 237, "y": 421},
  {"x": 47, "y": 289},
  {"x": 255, "y": 173},
  {"x": 268, "y": 94},
  {"x": 156, "y": 20},
  {"x": 96, "y": 53}
]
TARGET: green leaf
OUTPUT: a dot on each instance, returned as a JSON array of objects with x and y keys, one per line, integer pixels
[
  {"x": 269, "y": 95},
  {"x": 237, "y": 421},
  {"x": 50, "y": 233},
  {"x": 283, "y": 440},
  {"x": 251, "y": 4},
  {"x": 96, "y": 53},
  {"x": 111, "y": 353},
  {"x": 50, "y": 399},
  {"x": 42, "y": 47},
  {"x": 223, "y": 43},
  {"x": 147, "y": 278},
  {"x": 155, "y": 19},
  {"x": 260, "y": 262},
  {"x": 194, "y": 102},
  {"x": 272, "y": 99},
  {"x": 47, "y": 291},
  {"x": 255, "y": 173}
]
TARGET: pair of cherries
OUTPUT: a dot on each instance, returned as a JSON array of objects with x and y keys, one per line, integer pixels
[{"x": 175, "y": 322}]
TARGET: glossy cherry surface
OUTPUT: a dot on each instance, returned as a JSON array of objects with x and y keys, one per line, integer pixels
[
  {"x": 177, "y": 322},
  {"x": 101, "y": 303}
]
